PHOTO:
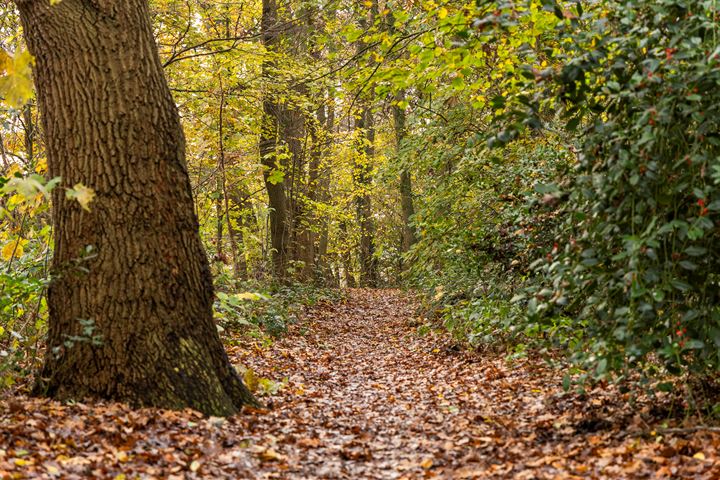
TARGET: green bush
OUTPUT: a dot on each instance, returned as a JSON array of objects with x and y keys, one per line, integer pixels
[{"x": 637, "y": 259}]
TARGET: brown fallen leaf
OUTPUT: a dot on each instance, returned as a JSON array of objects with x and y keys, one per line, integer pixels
[{"x": 309, "y": 442}]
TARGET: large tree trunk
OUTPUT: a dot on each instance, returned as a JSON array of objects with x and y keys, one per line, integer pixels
[{"x": 131, "y": 272}]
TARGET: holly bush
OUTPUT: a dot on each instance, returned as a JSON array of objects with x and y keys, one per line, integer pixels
[{"x": 637, "y": 259}]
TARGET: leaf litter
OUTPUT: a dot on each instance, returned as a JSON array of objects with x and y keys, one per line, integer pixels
[{"x": 358, "y": 394}]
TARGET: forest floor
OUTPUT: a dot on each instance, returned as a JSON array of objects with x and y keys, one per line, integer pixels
[{"x": 366, "y": 397}]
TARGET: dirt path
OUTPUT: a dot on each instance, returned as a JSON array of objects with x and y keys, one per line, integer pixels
[{"x": 366, "y": 398}]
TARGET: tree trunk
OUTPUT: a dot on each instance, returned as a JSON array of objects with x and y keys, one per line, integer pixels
[
  {"x": 29, "y": 128},
  {"x": 131, "y": 297},
  {"x": 348, "y": 278},
  {"x": 324, "y": 195},
  {"x": 280, "y": 234},
  {"x": 223, "y": 183},
  {"x": 363, "y": 204},
  {"x": 219, "y": 253},
  {"x": 292, "y": 134},
  {"x": 319, "y": 186},
  {"x": 246, "y": 222},
  {"x": 365, "y": 126},
  {"x": 406, "y": 198}
]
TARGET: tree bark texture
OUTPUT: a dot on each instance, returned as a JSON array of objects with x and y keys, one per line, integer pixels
[{"x": 131, "y": 272}]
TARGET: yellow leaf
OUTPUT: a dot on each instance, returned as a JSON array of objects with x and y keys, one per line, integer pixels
[
  {"x": 84, "y": 195},
  {"x": 270, "y": 455},
  {"x": 121, "y": 456},
  {"x": 12, "y": 250},
  {"x": 247, "y": 296},
  {"x": 41, "y": 166},
  {"x": 442, "y": 13},
  {"x": 699, "y": 456},
  {"x": 250, "y": 379},
  {"x": 16, "y": 82},
  {"x": 14, "y": 167},
  {"x": 427, "y": 463}
]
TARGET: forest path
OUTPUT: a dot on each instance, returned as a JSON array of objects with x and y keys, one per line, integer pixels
[
  {"x": 366, "y": 398},
  {"x": 369, "y": 398}
]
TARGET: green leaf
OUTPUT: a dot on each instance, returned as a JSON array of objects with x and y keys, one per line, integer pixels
[{"x": 276, "y": 176}]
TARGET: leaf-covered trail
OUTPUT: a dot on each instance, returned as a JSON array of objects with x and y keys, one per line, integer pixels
[{"x": 366, "y": 398}]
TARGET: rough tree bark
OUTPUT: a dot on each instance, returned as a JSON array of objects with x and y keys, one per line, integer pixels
[
  {"x": 29, "y": 127},
  {"x": 144, "y": 289}
]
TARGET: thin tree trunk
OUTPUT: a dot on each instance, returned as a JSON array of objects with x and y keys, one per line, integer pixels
[
  {"x": 219, "y": 254},
  {"x": 247, "y": 221},
  {"x": 363, "y": 203},
  {"x": 406, "y": 194},
  {"x": 223, "y": 183},
  {"x": 324, "y": 196},
  {"x": 280, "y": 234},
  {"x": 346, "y": 259},
  {"x": 29, "y": 127},
  {"x": 365, "y": 126},
  {"x": 131, "y": 298}
]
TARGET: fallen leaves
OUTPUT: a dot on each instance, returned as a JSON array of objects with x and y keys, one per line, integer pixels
[{"x": 364, "y": 397}]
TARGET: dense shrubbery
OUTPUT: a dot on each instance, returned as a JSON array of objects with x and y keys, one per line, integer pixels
[
  {"x": 617, "y": 256},
  {"x": 637, "y": 258},
  {"x": 481, "y": 223},
  {"x": 24, "y": 255}
]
